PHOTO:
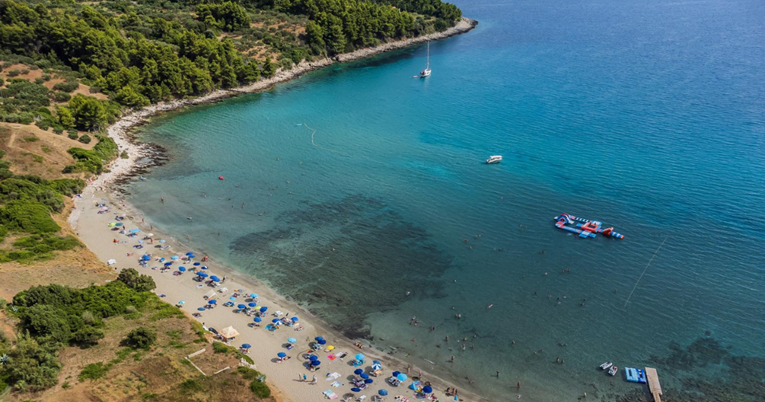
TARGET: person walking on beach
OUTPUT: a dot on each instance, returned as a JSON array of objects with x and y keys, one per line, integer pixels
[
  {"x": 315, "y": 380},
  {"x": 305, "y": 378},
  {"x": 301, "y": 377}
]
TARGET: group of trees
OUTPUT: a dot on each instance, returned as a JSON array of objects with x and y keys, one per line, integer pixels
[{"x": 53, "y": 316}]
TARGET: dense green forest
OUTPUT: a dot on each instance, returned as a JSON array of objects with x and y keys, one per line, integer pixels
[{"x": 146, "y": 51}]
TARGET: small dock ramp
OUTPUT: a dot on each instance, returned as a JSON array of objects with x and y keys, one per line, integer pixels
[{"x": 653, "y": 383}]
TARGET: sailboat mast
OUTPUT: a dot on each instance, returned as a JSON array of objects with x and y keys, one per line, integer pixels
[{"x": 428, "y": 55}]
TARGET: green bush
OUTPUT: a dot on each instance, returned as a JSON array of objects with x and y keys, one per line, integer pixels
[
  {"x": 93, "y": 371},
  {"x": 14, "y": 73},
  {"x": 61, "y": 97},
  {"x": 27, "y": 217},
  {"x": 140, "y": 338},
  {"x": 66, "y": 86},
  {"x": 220, "y": 347},
  {"x": 85, "y": 139},
  {"x": 260, "y": 389},
  {"x": 72, "y": 134},
  {"x": 136, "y": 281},
  {"x": 32, "y": 366}
]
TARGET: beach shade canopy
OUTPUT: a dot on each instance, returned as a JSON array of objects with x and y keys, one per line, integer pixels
[
  {"x": 201, "y": 309},
  {"x": 196, "y": 264},
  {"x": 313, "y": 358},
  {"x": 321, "y": 341},
  {"x": 364, "y": 375},
  {"x": 145, "y": 257},
  {"x": 253, "y": 295},
  {"x": 257, "y": 319},
  {"x": 205, "y": 267},
  {"x": 276, "y": 320},
  {"x": 402, "y": 377},
  {"x": 427, "y": 389},
  {"x": 175, "y": 257},
  {"x": 315, "y": 363},
  {"x": 291, "y": 340},
  {"x": 294, "y": 319},
  {"x": 215, "y": 278},
  {"x": 358, "y": 371},
  {"x": 229, "y": 332},
  {"x": 190, "y": 253},
  {"x": 213, "y": 301},
  {"x": 182, "y": 268},
  {"x": 355, "y": 389},
  {"x": 383, "y": 392},
  {"x": 368, "y": 381},
  {"x": 281, "y": 354},
  {"x": 251, "y": 304},
  {"x": 359, "y": 357},
  {"x": 135, "y": 230},
  {"x": 246, "y": 346},
  {"x": 263, "y": 309},
  {"x": 167, "y": 264},
  {"x": 395, "y": 373},
  {"x": 241, "y": 306},
  {"x": 202, "y": 274}
]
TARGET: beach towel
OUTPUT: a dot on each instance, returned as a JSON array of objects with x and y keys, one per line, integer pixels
[
  {"x": 332, "y": 376},
  {"x": 336, "y": 384},
  {"x": 329, "y": 394}
]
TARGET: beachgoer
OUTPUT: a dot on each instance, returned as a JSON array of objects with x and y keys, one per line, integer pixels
[{"x": 162, "y": 199}]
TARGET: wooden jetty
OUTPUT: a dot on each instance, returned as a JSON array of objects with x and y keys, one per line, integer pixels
[{"x": 653, "y": 383}]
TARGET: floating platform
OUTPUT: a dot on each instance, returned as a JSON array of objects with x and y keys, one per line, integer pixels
[
  {"x": 635, "y": 375},
  {"x": 585, "y": 228}
]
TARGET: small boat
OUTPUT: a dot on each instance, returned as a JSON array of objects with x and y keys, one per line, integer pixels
[
  {"x": 606, "y": 365},
  {"x": 221, "y": 178},
  {"x": 426, "y": 72},
  {"x": 612, "y": 371},
  {"x": 494, "y": 159}
]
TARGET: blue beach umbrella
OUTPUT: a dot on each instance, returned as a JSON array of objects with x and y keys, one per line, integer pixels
[
  {"x": 202, "y": 274},
  {"x": 291, "y": 340},
  {"x": 232, "y": 298},
  {"x": 135, "y": 230},
  {"x": 215, "y": 278},
  {"x": 167, "y": 264},
  {"x": 315, "y": 363},
  {"x": 376, "y": 362},
  {"x": 201, "y": 309},
  {"x": 364, "y": 375},
  {"x": 427, "y": 389},
  {"x": 355, "y": 389},
  {"x": 321, "y": 341},
  {"x": 263, "y": 309},
  {"x": 205, "y": 267},
  {"x": 383, "y": 392},
  {"x": 294, "y": 319},
  {"x": 190, "y": 253},
  {"x": 368, "y": 381},
  {"x": 358, "y": 371},
  {"x": 196, "y": 264},
  {"x": 175, "y": 257},
  {"x": 182, "y": 268},
  {"x": 275, "y": 320},
  {"x": 257, "y": 319},
  {"x": 145, "y": 257},
  {"x": 359, "y": 357},
  {"x": 241, "y": 306},
  {"x": 402, "y": 377},
  {"x": 181, "y": 302},
  {"x": 251, "y": 304},
  {"x": 281, "y": 354},
  {"x": 213, "y": 301},
  {"x": 313, "y": 358},
  {"x": 395, "y": 373},
  {"x": 253, "y": 295},
  {"x": 118, "y": 224},
  {"x": 246, "y": 346},
  {"x": 191, "y": 256}
]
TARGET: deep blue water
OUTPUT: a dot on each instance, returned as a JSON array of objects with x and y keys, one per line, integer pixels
[{"x": 648, "y": 115}]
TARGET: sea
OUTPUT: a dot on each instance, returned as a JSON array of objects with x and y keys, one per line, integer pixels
[{"x": 362, "y": 193}]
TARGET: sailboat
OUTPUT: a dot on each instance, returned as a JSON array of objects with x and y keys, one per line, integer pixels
[{"x": 426, "y": 72}]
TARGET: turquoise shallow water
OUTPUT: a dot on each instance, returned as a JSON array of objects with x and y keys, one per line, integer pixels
[{"x": 648, "y": 115}]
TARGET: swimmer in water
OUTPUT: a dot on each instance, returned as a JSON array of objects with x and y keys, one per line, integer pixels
[{"x": 491, "y": 305}]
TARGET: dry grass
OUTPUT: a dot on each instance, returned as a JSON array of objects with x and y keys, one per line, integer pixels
[{"x": 51, "y": 147}]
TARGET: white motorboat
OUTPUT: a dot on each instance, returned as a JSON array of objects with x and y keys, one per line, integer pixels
[
  {"x": 606, "y": 365},
  {"x": 612, "y": 371},
  {"x": 494, "y": 159}
]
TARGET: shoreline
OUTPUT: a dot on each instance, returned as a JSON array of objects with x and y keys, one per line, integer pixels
[
  {"x": 120, "y": 130},
  {"x": 107, "y": 186}
]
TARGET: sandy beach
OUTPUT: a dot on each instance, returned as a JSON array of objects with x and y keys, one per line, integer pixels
[{"x": 94, "y": 231}]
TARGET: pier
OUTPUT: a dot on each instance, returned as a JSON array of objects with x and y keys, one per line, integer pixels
[{"x": 653, "y": 383}]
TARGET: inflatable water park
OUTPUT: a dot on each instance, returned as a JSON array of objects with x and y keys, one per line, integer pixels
[{"x": 585, "y": 228}]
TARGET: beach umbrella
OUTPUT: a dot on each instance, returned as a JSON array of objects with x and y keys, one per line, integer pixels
[
  {"x": 213, "y": 301},
  {"x": 294, "y": 319},
  {"x": 253, "y": 295},
  {"x": 358, "y": 371},
  {"x": 359, "y": 357},
  {"x": 182, "y": 269},
  {"x": 232, "y": 298},
  {"x": 318, "y": 338},
  {"x": 364, "y": 375},
  {"x": 330, "y": 347},
  {"x": 118, "y": 224},
  {"x": 111, "y": 225},
  {"x": 315, "y": 363},
  {"x": 355, "y": 390},
  {"x": 395, "y": 373},
  {"x": 196, "y": 264},
  {"x": 275, "y": 320},
  {"x": 263, "y": 309},
  {"x": 205, "y": 267},
  {"x": 257, "y": 319},
  {"x": 175, "y": 257},
  {"x": 383, "y": 392},
  {"x": 167, "y": 264},
  {"x": 162, "y": 241},
  {"x": 313, "y": 358},
  {"x": 202, "y": 274},
  {"x": 191, "y": 256},
  {"x": 376, "y": 366},
  {"x": 215, "y": 278},
  {"x": 281, "y": 354},
  {"x": 368, "y": 381},
  {"x": 251, "y": 304},
  {"x": 181, "y": 302},
  {"x": 135, "y": 230},
  {"x": 427, "y": 389},
  {"x": 246, "y": 346},
  {"x": 402, "y": 377},
  {"x": 190, "y": 253},
  {"x": 321, "y": 341},
  {"x": 150, "y": 235},
  {"x": 201, "y": 309},
  {"x": 291, "y": 340},
  {"x": 241, "y": 306},
  {"x": 146, "y": 257}
]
